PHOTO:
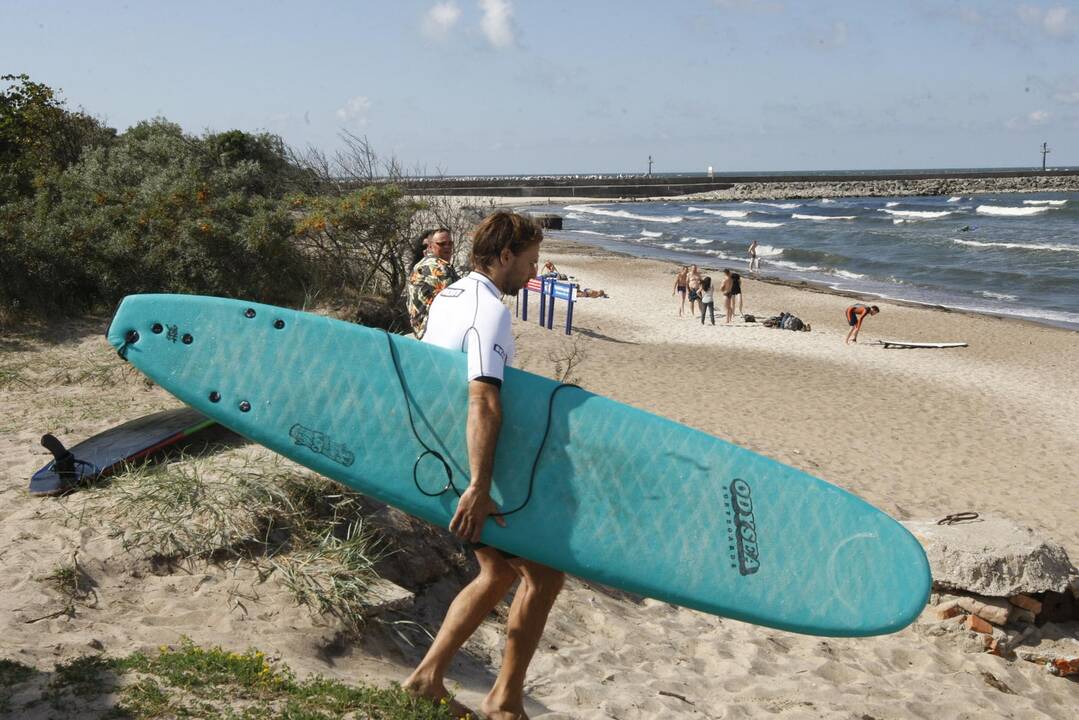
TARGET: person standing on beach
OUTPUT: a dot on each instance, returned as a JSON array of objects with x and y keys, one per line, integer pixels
[
  {"x": 708, "y": 304},
  {"x": 680, "y": 288},
  {"x": 431, "y": 275},
  {"x": 754, "y": 261},
  {"x": 731, "y": 283},
  {"x": 736, "y": 292},
  {"x": 469, "y": 316},
  {"x": 855, "y": 315},
  {"x": 693, "y": 282}
]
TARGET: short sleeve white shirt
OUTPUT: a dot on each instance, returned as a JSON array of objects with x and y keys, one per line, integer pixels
[{"x": 469, "y": 316}]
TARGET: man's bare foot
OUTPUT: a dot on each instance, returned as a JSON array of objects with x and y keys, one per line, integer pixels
[
  {"x": 438, "y": 694},
  {"x": 492, "y": 711}
]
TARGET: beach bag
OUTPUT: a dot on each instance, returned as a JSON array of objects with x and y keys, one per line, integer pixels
[
  {"x": 791, "y": 322},
  {"x": 749, "y": 318}
]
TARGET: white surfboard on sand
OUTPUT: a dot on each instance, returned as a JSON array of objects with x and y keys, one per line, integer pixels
[{"x": 909, "y": 345}]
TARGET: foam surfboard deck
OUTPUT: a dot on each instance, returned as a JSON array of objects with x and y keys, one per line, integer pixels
[
  {"x": 912, "y": 345},
  {"x": 620, "y": 496},
  {"x": 101, "y": 454}
]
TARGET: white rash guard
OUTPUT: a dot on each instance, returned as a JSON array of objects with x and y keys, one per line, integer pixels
[{"x": 469, "y": 316}]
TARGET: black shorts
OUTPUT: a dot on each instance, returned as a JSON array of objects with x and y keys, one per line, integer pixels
[
  {"x": 477, "y": 545},
  {"x": 693, "y": 295}
]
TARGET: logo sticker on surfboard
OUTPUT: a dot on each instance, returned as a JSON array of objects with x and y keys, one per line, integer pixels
[
  {"x": 322, "y": 444},
  {"x": 742, "y": 538}
]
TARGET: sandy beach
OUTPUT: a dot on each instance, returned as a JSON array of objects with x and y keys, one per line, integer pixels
[{"x": 991, "y": 428}]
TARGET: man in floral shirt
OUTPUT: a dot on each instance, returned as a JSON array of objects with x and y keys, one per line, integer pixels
[{"x": 429, "y": 276}]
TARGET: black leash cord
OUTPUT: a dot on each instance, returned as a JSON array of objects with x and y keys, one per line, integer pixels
[{"x": 445, "y": 465}]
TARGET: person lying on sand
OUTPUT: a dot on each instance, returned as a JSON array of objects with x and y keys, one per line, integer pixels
[
  {"x": 470, "y": 314},
  {"x": 855, "y": 315}
]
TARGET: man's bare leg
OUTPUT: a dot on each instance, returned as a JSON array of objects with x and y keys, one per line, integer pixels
[
  {"x": 466, "y": 612},
  {"x": 532, "y": 604}
]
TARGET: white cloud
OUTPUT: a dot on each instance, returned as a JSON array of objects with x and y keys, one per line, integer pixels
[
  {"x": 355, "y": 111},
  {"x": 497, "y": 22},
  {"x": 441, "y": 19},
  {"x": 1068, "y": 98},
  {"x": 1030, "y": 120},
  {"x": 1056, "y": 22}
]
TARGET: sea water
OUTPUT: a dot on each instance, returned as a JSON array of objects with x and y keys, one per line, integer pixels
[{"x": 1005, "y": 254}]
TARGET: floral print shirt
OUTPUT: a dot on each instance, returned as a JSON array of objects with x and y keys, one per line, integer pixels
[{"x": 428, "y": 278}]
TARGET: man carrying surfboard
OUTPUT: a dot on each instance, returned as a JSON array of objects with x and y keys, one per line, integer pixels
[
  {"x": 855, "y": 315},
  {"x": 469, "y": 316}
]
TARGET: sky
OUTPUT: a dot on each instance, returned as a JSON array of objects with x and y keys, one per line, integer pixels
[{"x": 580, "y": 86}]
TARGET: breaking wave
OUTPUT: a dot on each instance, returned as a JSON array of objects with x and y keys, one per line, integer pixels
[
  {"x": 1002, "y": 211},
  {"x": 753, "y": 224},
  {"x": 628, "y": 215},
  {"x": 722, "y": 213},
  {"x": 798, "y": 216},
  {"x": 1017, "y": 246},
  {"x": 920, "y": 214}
]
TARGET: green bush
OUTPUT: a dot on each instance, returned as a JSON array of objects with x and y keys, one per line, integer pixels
[
  {"x": 38, "y": 135},
  {"x": 157, "y": 211},
  {"x": 87, "y": 217}
]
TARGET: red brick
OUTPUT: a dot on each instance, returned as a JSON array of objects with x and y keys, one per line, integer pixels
[
  {"x": 1026, "y": 602},
  {"x": 976, "y": 624}
]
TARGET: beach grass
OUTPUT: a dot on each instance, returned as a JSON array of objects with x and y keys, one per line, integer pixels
[
  {"x": 196, "y": 682},
  {"x": 254, "y": 508}
]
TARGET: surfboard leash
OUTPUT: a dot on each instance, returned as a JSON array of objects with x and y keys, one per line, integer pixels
[{"x": 427, "y": 450}]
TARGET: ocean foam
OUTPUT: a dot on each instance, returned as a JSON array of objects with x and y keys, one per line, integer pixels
[
  {"x": 955, "y": 198},
  {"x": 1051, "y": 203},
  {"x": 648, "y": 233},
  {"x": 795, "y": 266},
  {"x": 997, "y": 296},
  {"x": 798, "y": 216},
  {"x": 753, "y": 224},
  {"x": 1017, "y": 246},
  {"x": 768, "y": 251},
  {"x": 599, "y": 234},
  {"x": 676, "y": 247},
  {"x": 848, "y": 274},
  {"x": 722, "y": 213},
  {"x": 1002, "y": 211},
  {"x": 920, "y": 214},
  {"x": 826, "y": 201},
  {"x": 781, "y": 206},
  {"x": 627, "y": 215},
  {"x": 891, "y": 204}
]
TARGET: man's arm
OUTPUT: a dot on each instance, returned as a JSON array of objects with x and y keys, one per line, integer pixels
[{"x": 484, "y": 424}]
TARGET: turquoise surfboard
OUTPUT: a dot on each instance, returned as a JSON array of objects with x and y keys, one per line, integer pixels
[{"x": 618, "y": 495}]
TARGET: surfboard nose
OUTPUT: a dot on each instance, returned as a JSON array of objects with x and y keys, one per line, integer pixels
[{"x": 885, "y": 603}]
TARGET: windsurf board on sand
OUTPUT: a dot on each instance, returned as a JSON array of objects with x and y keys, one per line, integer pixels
[
  {"x": 904, "y": 344},
  {"x": 591, "y": 486},
  {"x": 100, "y": 455}
]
